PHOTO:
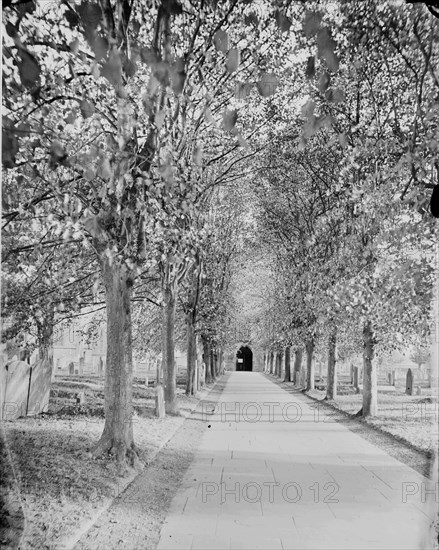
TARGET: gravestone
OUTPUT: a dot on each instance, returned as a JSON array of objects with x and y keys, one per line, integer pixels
[
  {"x": 80, "y": 398},
  {"x": 159, "y": 402},
  {"x": 409, "y": 383},
  {"x": 15, "y": 390},
  {"x": 39, "y": 390},
  {"x": 393, "y": 373},
  {"x": 26, "y": 388}
]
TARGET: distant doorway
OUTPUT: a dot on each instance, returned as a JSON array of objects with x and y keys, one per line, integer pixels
[{"x": 244, "y": 359}]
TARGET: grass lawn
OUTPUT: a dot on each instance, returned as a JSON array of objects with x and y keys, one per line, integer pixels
[{"x": 413, "y": 418}]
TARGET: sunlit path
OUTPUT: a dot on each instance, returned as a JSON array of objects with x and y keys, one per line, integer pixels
[{"x": 274, "y": 471}]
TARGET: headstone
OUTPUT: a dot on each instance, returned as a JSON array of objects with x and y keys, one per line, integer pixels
[
  {"x": 409, "y": 383},
  {"x": 15, "y": 390},
  {"x": 39, "y": 393},
  {"x": 26, "y": 389},
  {"x": 80, "y": 398},
  {"x": 159, "y": 402}
]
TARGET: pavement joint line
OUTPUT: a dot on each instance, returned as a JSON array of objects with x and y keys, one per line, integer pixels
[
  {"x": 331, "y": 510},
  {"x": 382, "y": 480},
  {"x": 421, "y": 510},
  {"x": 384, "y": 495},
  {"x": 185, "y": 504}
]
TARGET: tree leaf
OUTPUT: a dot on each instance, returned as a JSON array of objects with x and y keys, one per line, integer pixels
[
  {"x": 178, "y": 75},
  {"x": 29, "y": 69},
  {"x": 57, "y": 153},
  {"x": 129, "y": 67},
  {"x": 72, "y": 18},
  {"x": 243, "y": 89},
  {"x": 100, "y": 47},
  {"x": 233, "y": 60},
  {"x": 326, "y": 49},
  {"x": 267, "y": 85},
  {"x": 310, "y": 67},
  {"x": 112, "y": 69},
  {"x": 221, "y": 41},
  {"x": 251, "y": 19},
  {"x": 105, "y": 169},
  {"x": 198, "y": 156},
  {"x": 149, "y": 56},
  {"x": 335, "y": 95},
  {"x": 282, "y": 21},
  {"x": 308, "y": 108},
  {"x": 173, "y": 7},
  {"x": 87, "y": 108},
  {"x": 229, "y": 119},
  {"x": 74, "y": 46},
  {"x": 311, "y": 24},
  {"x": 324, "y": 82},
  {"x": 90, "y": 14},
  {"x": 9, "y": 148},
  {"x": 11, "y": 29}
]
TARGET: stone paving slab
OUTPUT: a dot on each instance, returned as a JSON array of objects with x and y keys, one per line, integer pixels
[{"x": 276, "y": 483}]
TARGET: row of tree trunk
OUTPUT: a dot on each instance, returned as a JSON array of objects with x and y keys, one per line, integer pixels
[{"x": 278, "y": 363}]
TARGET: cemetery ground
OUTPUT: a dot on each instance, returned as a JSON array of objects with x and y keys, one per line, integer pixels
[
  {"x": 52, "y": 477},
  {"x": 64, "y": 492}
]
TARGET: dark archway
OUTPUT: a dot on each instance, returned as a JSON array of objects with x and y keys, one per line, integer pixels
[{"x": 244, "y": 359}]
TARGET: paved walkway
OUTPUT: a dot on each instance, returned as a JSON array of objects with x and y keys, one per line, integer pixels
[{"x": 274, "y": 472}]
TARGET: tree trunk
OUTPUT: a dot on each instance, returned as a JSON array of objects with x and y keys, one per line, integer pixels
[
  {"x": 45, "y": 344},
  {"x": 117, "y": 437},
  {"x": 370, "y": 390},
  {"x": 434, "y": 347},
  {"x": 168, "y": 359},
  {"x": 297, "y": 365},
  {"x": 272, "y": 360},
  {"x": 310, "y": 365},
  {"x": 287, "y": 377},
  {"x": 212, "y": 365},
  {"x": 220, "y": 362},
  {"x": 281, "y": 363},
  {"x": 191, "y": 382},
  {"x": 206, "y": 359},
  {"x": 331, "y": 386}
]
